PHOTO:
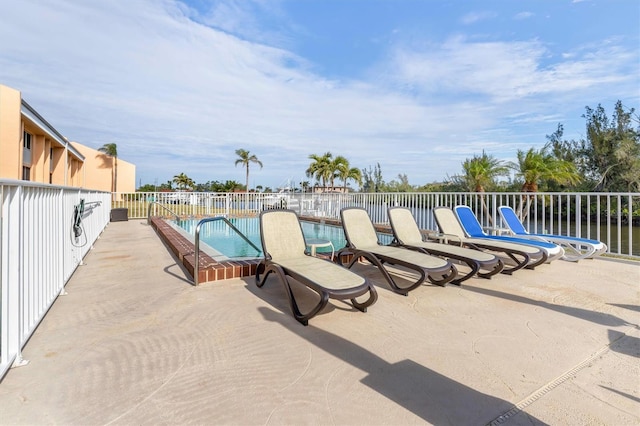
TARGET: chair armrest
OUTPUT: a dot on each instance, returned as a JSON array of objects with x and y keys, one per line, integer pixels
[
  {"x": 496, "y": 231},
  {"x": 444, "y": 238}
]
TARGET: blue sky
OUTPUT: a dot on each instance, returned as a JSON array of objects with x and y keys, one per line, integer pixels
[{"x": 417, "y": 86}]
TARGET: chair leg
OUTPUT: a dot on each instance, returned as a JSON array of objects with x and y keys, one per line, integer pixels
[
  {"x": 474, "y": 269},
  {"x": 539, "y": 262},
  {"x": 302, "y": 318},
  {"x": 392, "y": 283},
  {"x": 259, "y": 270},
  {"x": 452, "y": 273},
  {"x": 496, "y": 270},
  {"x": 373, "y": 296},
  {"x": 524, "y": 263}
]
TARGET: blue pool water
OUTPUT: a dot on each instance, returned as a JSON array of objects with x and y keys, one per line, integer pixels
[{"x": 219, "y": 236}]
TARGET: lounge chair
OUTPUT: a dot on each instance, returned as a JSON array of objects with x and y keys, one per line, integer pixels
[
  {"x": 574, "y": 248},
  {"x": 284, "y": 247},
  {"x": 524, "y": 256},
  {"x": 362, "y": 241},
  {"x": 407, "y": 234},
  {"x": 472, "y": 227}
]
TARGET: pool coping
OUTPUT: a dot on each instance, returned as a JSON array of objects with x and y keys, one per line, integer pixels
[{"x": 210, "y": 269}]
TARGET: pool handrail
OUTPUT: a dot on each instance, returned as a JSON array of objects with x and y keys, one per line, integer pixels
[
  {"x": 196, "y": 265},
  {"x": 161, "y": 205}
]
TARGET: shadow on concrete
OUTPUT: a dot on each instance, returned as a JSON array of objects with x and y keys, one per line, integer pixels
[
  {"x": 630, "y": 307},
  {"x": 428, "y": 394},
  {"x": 585, "y": 314},
  {"x": 624, "y": 344}
]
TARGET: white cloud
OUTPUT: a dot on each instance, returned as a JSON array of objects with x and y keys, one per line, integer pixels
[
  {"x": 524, "y": 15},
  {"x": 473, "y": 17},
  {"x": 177, "y": 95},
  {"x": 508, "y": 71}
]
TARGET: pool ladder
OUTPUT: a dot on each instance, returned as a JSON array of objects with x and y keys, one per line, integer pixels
[
  {"x": 161, "y": 205},
  {"x": 196, "y": 266}
]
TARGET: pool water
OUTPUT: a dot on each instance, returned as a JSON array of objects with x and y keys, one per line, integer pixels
[{"x": 220, "y": 237}]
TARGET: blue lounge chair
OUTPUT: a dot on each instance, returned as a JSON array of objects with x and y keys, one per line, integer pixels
[
  {"x": 451, "y": 232},
  {"x": 473, "y": 229},
  {"x": 574, "y": 248}
]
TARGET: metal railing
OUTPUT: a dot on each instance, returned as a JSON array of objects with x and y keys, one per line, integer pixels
[
  {"x": 196, "y": 267},
  {"x": 155, "y": 203},
  {"x": 613, "y": 218},
  {"x": 45, "y": 232}
]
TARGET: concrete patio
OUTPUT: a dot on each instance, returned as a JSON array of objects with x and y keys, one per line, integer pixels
[{"x": 133, "y": 342}]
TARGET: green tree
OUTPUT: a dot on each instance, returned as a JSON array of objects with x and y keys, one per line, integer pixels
[
  {"x": 231, "y": 186},
  {"x": 345, "y": 172},
  {"x": 401, "y": 185},
  {"x": 372, "y": 179},
  {"x": 320, "y": 168},
  {"x": 167, "y": 186},
  {"x": 245, "y": 158},
  {"x": 612, "y": 150},
  {"x": 563, "y": 149},
  {"x": 535, "y": 166},
  {"x": 481, "y": 171},
  {"x": 111, "y": 150},
  {"x": 305, "y": 185},
  {"x": 148, "y": 187},
  {"x": 183, "y": 181}
]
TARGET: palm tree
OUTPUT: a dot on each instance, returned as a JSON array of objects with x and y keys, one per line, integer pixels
[
  {"x": 481, "y": 171},
  {"x": 305, "y": 184},
  {"x": 535, "y": 166},
  {"x": 183, "y": 181},
  {"x": 321, "y": 167},
  {"x": 111, "y": 150},
  {"x": 344, "y": 172},
  {"x": 245, "y": 159}
]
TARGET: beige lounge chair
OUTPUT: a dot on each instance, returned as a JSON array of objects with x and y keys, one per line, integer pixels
[
  {"x": 284, "y": 247},
  {"x": 524, "y": 256},
  {"x": 362, "y": 241},
  {"x": 407, "y": 234}
]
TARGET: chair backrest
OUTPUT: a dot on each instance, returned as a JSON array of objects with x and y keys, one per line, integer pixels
[
  {"x": 404, "y": 226},
  {"x": 358, "y": 228},
  {"x": 511, "y": 219},
  {"x": 281, "y": 234},
  {"x": 447, "y": 222},
  {"x": 469, "y": 221}
]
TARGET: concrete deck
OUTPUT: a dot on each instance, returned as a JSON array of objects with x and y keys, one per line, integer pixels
[{"x": 134, "y": 342}]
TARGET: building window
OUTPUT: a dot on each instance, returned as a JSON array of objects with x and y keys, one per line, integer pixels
[
  {"x": 26, "y": 140},
  {"x": 26, "y": 173},
  {"x": 26, "y": 149}
]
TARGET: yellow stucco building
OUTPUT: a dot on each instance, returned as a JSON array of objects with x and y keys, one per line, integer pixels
[{"x": 31, "y": 149}]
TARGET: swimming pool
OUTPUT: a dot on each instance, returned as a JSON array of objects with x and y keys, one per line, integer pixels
[{"x": 225, "y": 242}]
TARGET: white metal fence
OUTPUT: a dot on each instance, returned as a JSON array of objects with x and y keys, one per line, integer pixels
[
  {"x": 45, "y": 232},
  {"x": 613, "y": 218}
]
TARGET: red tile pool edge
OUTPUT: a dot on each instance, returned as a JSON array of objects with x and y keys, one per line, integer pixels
[{"x": 208, "y": 268}]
